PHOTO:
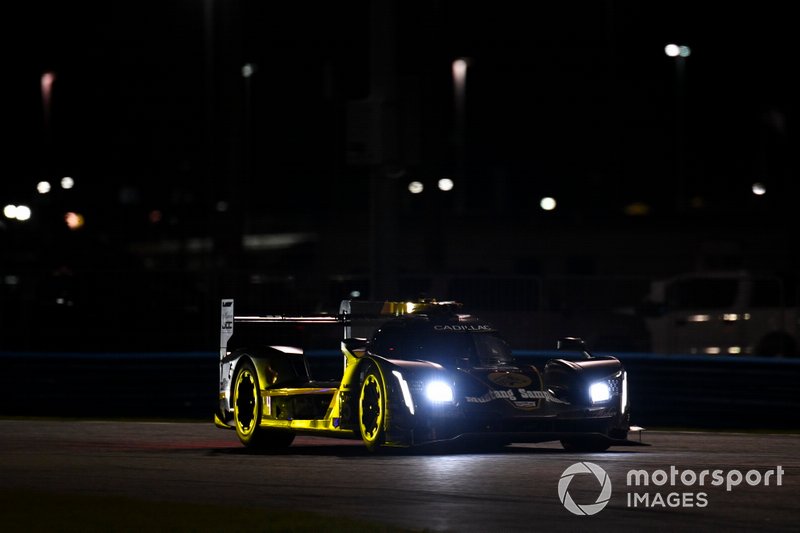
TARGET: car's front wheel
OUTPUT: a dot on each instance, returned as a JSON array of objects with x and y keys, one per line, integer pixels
[
  {"x": 248, "y": 410},
  {"x": 372, "y": 409}
]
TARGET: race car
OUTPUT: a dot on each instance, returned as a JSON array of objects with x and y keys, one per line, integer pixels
[{"x": 414, "y": 373}]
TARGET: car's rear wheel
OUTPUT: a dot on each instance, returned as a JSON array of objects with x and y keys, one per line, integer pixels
[
  {"x": 248, "y": 410},
  {"x": 372, "y": 409},
  {"x": 587, "y": 444}
]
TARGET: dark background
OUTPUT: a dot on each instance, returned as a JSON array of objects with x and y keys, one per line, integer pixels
[{"x": 288, "y": 189}]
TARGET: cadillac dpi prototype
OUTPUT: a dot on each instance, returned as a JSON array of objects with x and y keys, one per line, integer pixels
[{"x": 415, "y": 373}]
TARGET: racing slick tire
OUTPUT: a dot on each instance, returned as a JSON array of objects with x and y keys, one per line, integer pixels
[
  {"x": 372, "y": 409},
  {"x": 588, "y": 444},
  {"x": 247, "y": 411}
]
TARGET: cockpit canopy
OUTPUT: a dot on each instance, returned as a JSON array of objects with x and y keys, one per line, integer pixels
[{"x": 458, "y": 341}]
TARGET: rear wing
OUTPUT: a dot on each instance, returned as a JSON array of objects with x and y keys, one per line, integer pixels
[{"x": 359, "y": 318}]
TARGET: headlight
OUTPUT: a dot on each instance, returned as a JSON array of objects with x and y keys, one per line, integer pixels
[
  {"x": 599, "y": 392},
  {"x": 439, "y": 391}
]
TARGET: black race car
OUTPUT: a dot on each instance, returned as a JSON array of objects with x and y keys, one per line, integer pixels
[{"x": 415, "y": 373}]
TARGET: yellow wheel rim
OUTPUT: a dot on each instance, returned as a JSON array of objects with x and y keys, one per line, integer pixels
[
  {"x": 245, "y": 406},
  {"x": 371, "y": 401}
]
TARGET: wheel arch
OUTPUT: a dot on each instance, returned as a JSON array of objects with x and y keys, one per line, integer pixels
[{"x": 273, "y": 367}]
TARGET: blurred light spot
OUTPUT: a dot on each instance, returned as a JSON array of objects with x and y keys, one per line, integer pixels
[
  {"x": 637, "y": 209},
  {"x": 672, "y": 50},
  {"x": 684, "y": 51},
  {"x": 10, "y": 211},
  {"x": 222, "y": 206},
  {"x": 547, "y": 203},
  {"x": 355, "y": 294},
  {"x": 43, "y": 187},
  {"x": 446, "y": 184},
  {"x": 11, "y": 280},
  {"x": 67, "y": 183},
  {"x": 698, "y": 318},
  {"x": 460, "y": 70},
  {"x": 155, "y": 216},
  {"x": 759, "y": 189},
  {"x": 23, "y": 213},
  {"x": 735, "y": 350},
  {"x": 48, "y": 78},
  {"x": 416, "y": 187},
  {"x": 712, "y": 350},
  {"x": 248, "y": 70},
  {"x": 74, "y": 220},
  {"x": 273, "y": 241},
  {"x": 697, "y": 202}
]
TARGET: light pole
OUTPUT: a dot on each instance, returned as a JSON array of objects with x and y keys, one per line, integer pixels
[{"x": 679, "y": 53}]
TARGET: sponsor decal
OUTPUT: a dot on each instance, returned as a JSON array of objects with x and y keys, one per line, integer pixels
[
  {"x": 509, "y": 379},
  {"x": 464, "y": 327},
  {"x": 520, "y": 395}
]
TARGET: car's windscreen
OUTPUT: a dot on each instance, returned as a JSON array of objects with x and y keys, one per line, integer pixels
[{"x": 459, "y": 349}]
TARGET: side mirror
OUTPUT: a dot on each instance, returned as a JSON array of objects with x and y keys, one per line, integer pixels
[{"x": 573, "y": 344}]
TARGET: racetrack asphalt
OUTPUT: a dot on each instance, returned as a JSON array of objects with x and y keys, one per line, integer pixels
[{"x": 513, "y": 489}]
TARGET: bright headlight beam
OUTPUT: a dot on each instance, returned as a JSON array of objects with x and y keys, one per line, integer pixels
[
  {"x": 406, "y": 392},
  {"x": 439, "y": 391},
  {"x": 599, "y": 392}
]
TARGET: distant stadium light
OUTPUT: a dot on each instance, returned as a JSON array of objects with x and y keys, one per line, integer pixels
[
  {"x": 248, "y": 70},
  {"x": 759, "y": 189},
  {"x": 684, "y": 51},
  {"x": 23, "y": 213},
  {"x": 43, "y": 187},
  {"x": 17, "y": 212},
  {"x": 446, "y": 184},
  {"x": 74, "y": 220},
  {"x": 672, "y": 50},
  {"x": 415, "y": 187},
  {"x": 67, "y": 182},
  {"x": 547, "y": 203},
  {"x": 460, "y": 70}
]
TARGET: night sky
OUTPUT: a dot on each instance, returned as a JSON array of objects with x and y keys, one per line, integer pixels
[{"x": 575, "y": 100}]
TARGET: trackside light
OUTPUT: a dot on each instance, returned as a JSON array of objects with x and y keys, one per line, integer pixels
[
  {"x": 547, "y": 203},
  {"x": 446, "y": 184}
]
